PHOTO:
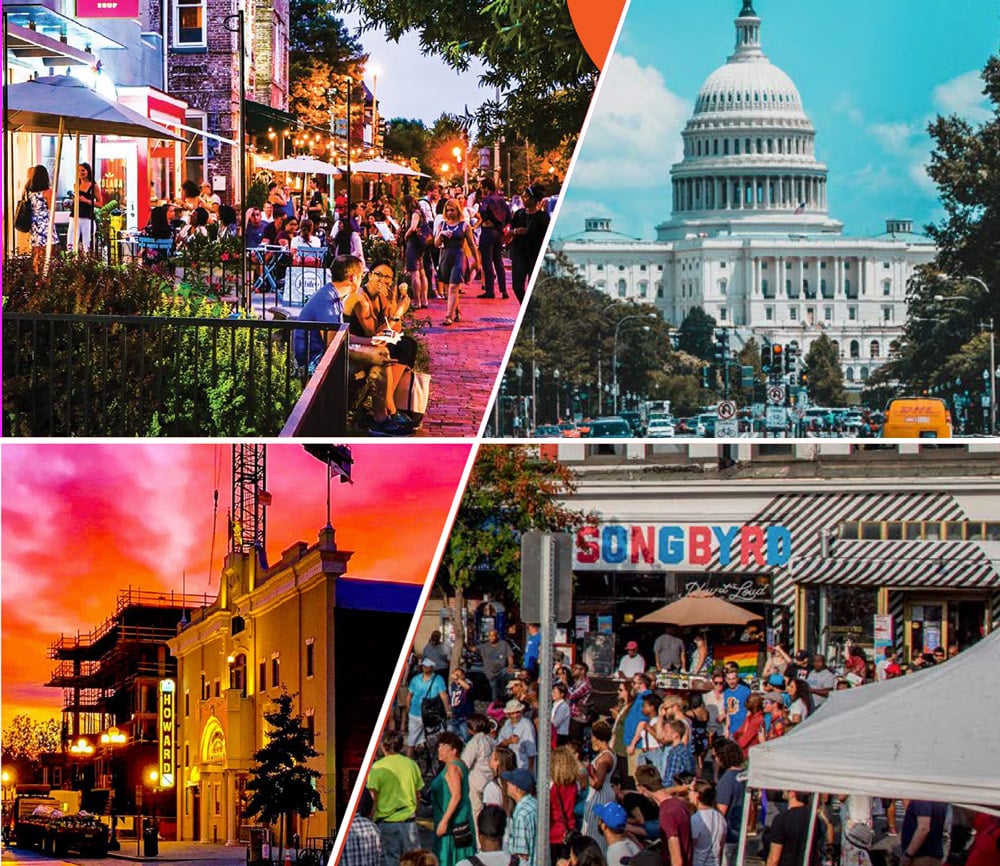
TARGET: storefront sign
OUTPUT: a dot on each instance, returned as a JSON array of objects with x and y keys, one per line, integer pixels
[
  {"x": 167, "y": 770},
  {"x": 652, "y": 547},
  {"x": 107, "y": 8},
  {"x": 883, "y": 634},
  {"x": 740, "y": 590}
]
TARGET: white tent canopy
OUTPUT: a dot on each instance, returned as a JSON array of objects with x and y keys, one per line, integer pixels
[{"x": 932, "y": 735}]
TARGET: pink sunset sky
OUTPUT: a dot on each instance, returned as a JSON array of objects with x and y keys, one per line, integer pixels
[{"x": 81, "y": 521}]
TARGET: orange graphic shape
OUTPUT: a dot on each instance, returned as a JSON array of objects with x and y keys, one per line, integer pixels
[{"x": 595, "y": 22}]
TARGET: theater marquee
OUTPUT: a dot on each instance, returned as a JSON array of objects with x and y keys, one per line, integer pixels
[
  {"x": 167, "y": 726},
  {"x": 680, "y": 547}
]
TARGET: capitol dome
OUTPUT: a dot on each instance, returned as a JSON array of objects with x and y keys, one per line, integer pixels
[
  {"x": 749, "y": 87},
  {"x": 749, "y": 151}
]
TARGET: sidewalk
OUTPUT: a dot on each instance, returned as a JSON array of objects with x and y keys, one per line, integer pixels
[
  {"x": 181, "y": 852},
  {"x": 465, "y": 360}
]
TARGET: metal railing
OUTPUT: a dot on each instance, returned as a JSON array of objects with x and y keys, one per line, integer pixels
[
  {"x": 71, "y": 375},
  {"x": 324, "y": 402}
]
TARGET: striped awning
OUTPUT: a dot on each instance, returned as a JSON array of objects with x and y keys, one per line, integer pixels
[
  {"x": 954, "y": 564},
  {"x": 808, "y": 515}
]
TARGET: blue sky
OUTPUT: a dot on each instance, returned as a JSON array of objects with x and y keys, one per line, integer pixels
[{"x": 871, "y": 74}]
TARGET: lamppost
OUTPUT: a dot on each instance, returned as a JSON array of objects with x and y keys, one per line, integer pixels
[
  {"x": 555, "y": 377},
  {"x": 614, "y": 357},
  {"x": 518, "y": 415},
  {"x": 110, "y": 739},
  {"x": 7, "y": 777},
  {"x": 460, "y": 158},
  {"x": 990, "y": 376},
  {"x": 152, "y": 777}
]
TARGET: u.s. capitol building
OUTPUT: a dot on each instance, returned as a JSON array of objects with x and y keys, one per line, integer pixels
[{"x": 750, "y": 239}]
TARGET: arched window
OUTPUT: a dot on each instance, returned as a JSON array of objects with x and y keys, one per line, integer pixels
[
  {"x": 659, "y": 290},
  {"x": 643, "y": 289},
  {"x": 874, "y": 350},
  {"x": 836, "y": 345},
  {"x": 894, "y": 349},
  {"x": 622, "y": 288},
  {"x": 864, "y": 374},
  {"x": 855, "y": 349},
  {"x": 849, "y": 374},
  {"x": 886, "y": 288},
  {"x": 723, "y": 286}
]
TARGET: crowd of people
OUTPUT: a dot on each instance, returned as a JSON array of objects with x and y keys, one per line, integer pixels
[{"x": 656, "y": 779}]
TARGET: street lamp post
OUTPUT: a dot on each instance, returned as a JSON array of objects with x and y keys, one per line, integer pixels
[
  {"x": 991, "y": 377},
  {"x": 555, "y": 377},
  {"x": 614, "y": 356}
]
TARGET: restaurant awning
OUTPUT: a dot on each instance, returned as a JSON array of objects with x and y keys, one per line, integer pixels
[
  {"x": 36, "y": 34},
  {"x": 259, "y": 117}
]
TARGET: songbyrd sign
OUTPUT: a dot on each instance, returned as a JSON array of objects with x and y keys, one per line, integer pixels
[
  {"x": 167, "y": 726},
  {"x": 680, "y": 547}
]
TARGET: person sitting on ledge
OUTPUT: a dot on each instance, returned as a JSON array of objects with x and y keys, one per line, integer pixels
[{"x": 328, "y": 305}]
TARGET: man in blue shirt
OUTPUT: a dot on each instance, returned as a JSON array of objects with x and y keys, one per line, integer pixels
[
  {"x": 532, "y": 649},
  {"x": 327, "y": 305},
  {"x": 735, "y": 700}
]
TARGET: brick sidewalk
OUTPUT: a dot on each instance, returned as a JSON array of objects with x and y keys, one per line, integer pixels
[{"x": 465, "y": 360}]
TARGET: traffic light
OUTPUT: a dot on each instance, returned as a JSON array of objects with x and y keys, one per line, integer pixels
[
  {"x": 778, "y": 359},
  {"x": 766, "y": 358},
  {"x": 722, "y": 347}
]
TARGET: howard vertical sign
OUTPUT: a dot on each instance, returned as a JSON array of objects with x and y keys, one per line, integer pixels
[{"x": 167, "y": 728}]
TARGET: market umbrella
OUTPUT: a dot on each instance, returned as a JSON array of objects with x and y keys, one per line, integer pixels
[
  {"x": 302, "y": 165},
  {"x": 62, "y": 104},
  {"x": 700, "y": 608},
  {"x": 384, "y": 166}
]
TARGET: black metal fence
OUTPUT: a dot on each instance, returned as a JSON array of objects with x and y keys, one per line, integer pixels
[{"x": 69, "y": 375}]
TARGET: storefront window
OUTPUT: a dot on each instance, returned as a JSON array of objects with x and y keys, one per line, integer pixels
[
  {"x": 194, "y": 150},
  {"x": 834, "y": 613},
  {"x": 932, "y": 531},
  {"x": 894, "y": 530},
  {"x": 871, "y": 531},
  {"x": 912, "y": 531}
]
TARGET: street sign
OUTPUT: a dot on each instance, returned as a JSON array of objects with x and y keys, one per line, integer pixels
[
  {"x": 560, "y": 564},
  {"x": 728, "y": 429},
  {"x": 726, "y": 410},
  {"x": 776, "y": 395},
  {"x": 757, "y": 409},
  {"x": 776, "y": 418}
]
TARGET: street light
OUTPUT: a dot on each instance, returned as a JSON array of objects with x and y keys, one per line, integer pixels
[
  {"x": 555, "y": 376},
  {"x": 614, "y": 357}
]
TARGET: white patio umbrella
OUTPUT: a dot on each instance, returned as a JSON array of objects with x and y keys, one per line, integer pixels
[
  {"x": 62, "y": 104},
  {"x": 384, "y": 166},
  {"x": 304, "y": 165}
]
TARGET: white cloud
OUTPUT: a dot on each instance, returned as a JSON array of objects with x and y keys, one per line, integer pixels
[
  {"x": 634, "y": 135},
  {"x": 963, "y": 95},
  {"x": 894, "y": 138}
]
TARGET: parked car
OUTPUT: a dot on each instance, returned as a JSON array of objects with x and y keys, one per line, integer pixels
[
  {"x": 634, "y": 420},
  {"x": 569, "y": 430},
  {"x": 545, "y": 431}
]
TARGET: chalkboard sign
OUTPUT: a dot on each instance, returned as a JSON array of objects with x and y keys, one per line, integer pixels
[{"x": 599, "y": 653}]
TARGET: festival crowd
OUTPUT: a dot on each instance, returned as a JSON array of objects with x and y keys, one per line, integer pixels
[{"x": 658, "y": 779}]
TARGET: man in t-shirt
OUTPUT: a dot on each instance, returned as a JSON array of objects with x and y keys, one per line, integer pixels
[
  {"x": 533, "y": 649},
  {"x": 821, "y": 681},
  {"x": 426, "y": 684},
  {"x": 394, "y": 783},
  {"x": 668, "y": 650},
  {"x": 675, "y": 821},
  {"x": 922, "y": 839},
  {"x": 735, "y": 697},
  {"x": 790, "y": 832},
  {"x": 518, "y": 735},
  {"x": 498, "y": 663},
  {"x": 495, "y": 216},
  {"x": 611, "y": 821}
]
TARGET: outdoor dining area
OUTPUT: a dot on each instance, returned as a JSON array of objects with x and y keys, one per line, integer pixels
[{"x": 182, "y": 331}]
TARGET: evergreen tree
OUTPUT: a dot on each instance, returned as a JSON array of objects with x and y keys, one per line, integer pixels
[
  {"x": 282, "y": 784},
  {"x": 822, "y": 374}
]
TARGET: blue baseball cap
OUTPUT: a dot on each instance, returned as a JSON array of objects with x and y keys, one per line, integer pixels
[
  {"x": 612, "y": 814},
  {"x": 776, "y": 680},
  {"x": 519, "y": 777}
]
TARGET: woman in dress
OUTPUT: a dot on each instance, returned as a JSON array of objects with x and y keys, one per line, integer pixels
[
  {"x": 455, "y": 240},
  {"x": 90, "y": 198},
  {"x": 454, "y": 837},
  {"x": 477, "y": 756},
  {"x": 599, "y": 776},
  {"x": 699, "y": 658},
  {"x": 39, "y": 194},
  {"x": 413, "y": 239}
]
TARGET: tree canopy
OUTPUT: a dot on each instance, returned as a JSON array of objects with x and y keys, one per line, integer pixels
[
  {"x": 944, "y": 346},
  {"x": 696, "y": 334},
  {"x": 822, "y": 373},
  {"x": 529, "y": 49}
]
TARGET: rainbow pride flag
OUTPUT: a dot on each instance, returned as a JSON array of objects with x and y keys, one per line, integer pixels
[{"x": 745, "y": 655}]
